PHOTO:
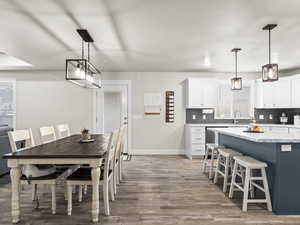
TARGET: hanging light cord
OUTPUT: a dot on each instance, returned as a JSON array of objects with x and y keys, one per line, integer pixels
[
  {"x": 235, "y": 64},
  {"x": 269, "y": 46}
]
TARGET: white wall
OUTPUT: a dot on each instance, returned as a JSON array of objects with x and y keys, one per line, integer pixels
[
  {"x": 150, "y": 134},
  {"x": 112, "y": 111},
  {"x": 45, "y": 98}
]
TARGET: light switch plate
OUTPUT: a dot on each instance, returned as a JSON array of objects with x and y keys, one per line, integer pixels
[
  {"x": 194, "y": 116},
  {"x": 286, "y": 148},
  {"x": 204, "y": 117},
  {"x": 270, "y": 116},
  {"x": 261, "y": 117}
]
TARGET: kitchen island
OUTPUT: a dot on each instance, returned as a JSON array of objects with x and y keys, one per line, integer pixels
[{"x": 281, "y": 151}]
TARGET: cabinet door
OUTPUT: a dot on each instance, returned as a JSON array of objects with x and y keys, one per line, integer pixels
[
  {"x": 258, "y": 94},
  {"x": 267, "y": 93},
  {"x": 210, "y": 91},
  {"x": 295, "y": 83},
  {"x": 194, "y": 93},
  {"x": 282, "y": 93}
]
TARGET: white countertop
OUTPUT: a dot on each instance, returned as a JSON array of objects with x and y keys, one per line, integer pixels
[
  {"x": 266, "y": 137},
  {"x": 238, "y": 125}
]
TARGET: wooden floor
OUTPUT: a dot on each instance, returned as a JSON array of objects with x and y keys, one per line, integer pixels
[{"x": 156, "y": 190}]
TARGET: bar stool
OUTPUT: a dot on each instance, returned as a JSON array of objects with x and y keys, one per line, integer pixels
[
  {"x": 211, "y": 151},
  {"x": 250, "y": 164},
  {"x": 225, "y": 165}
]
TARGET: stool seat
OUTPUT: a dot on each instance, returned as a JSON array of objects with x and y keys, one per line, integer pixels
[
  {"x": 214, "y": 146},
  {"x": 250, "y": 162},
  {"x": 227, "y": 152}
]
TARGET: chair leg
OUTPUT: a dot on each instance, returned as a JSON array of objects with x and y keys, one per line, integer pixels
[
  {"x": 33, "y": 191},
  {"x": 66, "y": 192},
  {"x": 233, "y": 180},
  {"x": 70, "y": 192},
  {"x": 112, "y": 194},
  {"x": 80, "y": 189},
  {"x": 117, "y": 174},
  {"x": 120, "y": 168},
  {"x": 115, "y": 181},
  {"x": 205, "y": 160},
  {"x": 246, "y": 189},
  {"x": 266, "y": 187},
  {"x": 105, "y": 198},
  {"x": 85, "y": 189},
  {"x": 226, "y": 174},
  {"x": 211, "y": 169},
  {"x": 217, "y": 169},
  {"x": 53, "y": 191}
]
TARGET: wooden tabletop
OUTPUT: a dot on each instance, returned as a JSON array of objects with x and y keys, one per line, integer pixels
[{"x": 69, "y": 147}]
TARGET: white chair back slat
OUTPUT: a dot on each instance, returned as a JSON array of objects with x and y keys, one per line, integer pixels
[
  {"x": 63, "y": 130},
  {"x": 47, "y": 134},
  {"x": 24, "y": 136},
  {"x": 108, "y": 164},
  {"x": 120, "y": 140}
]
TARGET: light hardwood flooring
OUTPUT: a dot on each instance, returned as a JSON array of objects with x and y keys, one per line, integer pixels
[{"x": 156, "y": 190}]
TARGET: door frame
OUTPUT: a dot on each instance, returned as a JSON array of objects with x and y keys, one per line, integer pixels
[{"x": 127, "y": 84}]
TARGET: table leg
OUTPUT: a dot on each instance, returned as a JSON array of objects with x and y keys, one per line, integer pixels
[
  {"x": 15, "y": 174},
  {"x": 95, "y": 202}
]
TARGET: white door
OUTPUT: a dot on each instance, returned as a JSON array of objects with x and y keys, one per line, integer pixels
[
  {"x": 112, "y": 110},
  {"x": 8, "y": 103}
]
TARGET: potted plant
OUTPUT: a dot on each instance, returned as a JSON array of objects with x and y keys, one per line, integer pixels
[{"x": 85, "y": 134}]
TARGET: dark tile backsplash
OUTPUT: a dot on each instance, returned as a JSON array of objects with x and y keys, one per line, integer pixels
[
  {"x": 276, "y": 114},
  {"x": 210, "y": 118}
]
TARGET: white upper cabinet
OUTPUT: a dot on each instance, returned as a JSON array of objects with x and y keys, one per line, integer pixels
[
  {"x": 295, "y": 82},
  {"x": 276, "y": 94},
  {"x": 201, "y": 93}
]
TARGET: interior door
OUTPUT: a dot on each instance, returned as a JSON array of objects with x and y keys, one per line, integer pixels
[{"x": 100, "y": 109}]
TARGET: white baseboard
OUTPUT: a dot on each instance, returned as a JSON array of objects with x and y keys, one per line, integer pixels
[{"x": 157, "y": 151}]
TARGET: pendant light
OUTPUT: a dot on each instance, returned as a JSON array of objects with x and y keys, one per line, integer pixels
[
  {"x": 236, "y": 82},
  {"x": 269, "y": 71},
  {"x": 81, "y": 71}
]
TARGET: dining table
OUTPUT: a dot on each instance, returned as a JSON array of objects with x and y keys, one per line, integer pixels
[{"x": 66, "y": 151}]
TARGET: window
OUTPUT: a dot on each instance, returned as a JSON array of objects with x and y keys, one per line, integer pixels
[{"x": 234, "y": 103}]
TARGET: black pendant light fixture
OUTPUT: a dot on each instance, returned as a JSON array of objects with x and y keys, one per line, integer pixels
[
  {"x": 269, "y": 71},
  {"x": 236, "y": 82},
  {"x": 81, "y": 71}
]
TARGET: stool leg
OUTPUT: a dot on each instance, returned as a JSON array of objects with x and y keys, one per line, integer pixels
[
  {"x": 233, "y": 180},
  {"x": 217, "y": 169},
  {"x": 226, "y": 174},
  {"x": 80, "y": 189},
  {"x": 210, "y": 175},
  {"x": 246, "y": 189},
  {"x": 205, "y": 160},
  {"x": 266, "y": 187},
  {"x": 53, "y": 193},
  {"x": 251, "y": 185},
  {"x": 70, "y": 192}
]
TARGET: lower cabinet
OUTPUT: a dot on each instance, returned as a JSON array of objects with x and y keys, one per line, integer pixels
[{"x": 194, "y": 141}]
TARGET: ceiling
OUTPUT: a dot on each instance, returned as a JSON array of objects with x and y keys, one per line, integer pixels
[{"x": 156, "y": 35}]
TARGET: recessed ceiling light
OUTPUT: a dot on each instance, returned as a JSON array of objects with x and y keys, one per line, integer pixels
[
  {"x": 207, "y": 62},
  {"x": 11, "y": 62}
]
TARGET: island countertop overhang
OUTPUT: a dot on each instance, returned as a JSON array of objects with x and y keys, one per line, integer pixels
[{"x": 266, "y": 137}]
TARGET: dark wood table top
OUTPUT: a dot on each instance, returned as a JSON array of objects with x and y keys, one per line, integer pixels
[{"x": 69, "y": 147}]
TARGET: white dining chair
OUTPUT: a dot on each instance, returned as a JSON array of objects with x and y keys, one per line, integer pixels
[
  {"x": 83, "y": 176},
  {"x": 118, "y": 158},
  {"x": 63, "y": 130},
  {"x": 21, "y": 140},
  {"x": 47, "y": 134}
]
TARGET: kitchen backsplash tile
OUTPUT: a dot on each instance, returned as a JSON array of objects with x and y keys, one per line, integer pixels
[
  {"x": 272, "y": 116},
  {"x": 194, "y": 116},
  {"x": 264, "y": 116}
]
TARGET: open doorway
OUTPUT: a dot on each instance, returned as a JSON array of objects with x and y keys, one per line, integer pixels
[{"x": 112, "y": 109}]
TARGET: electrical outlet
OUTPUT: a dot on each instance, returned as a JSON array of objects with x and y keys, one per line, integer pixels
[
  {"x": 193, "y": 116},
  {"x": 286, "y": 148},
  {"x": 204, "y": 117},
  {"x": 261, "y": 117},
  {"x": 270, "y": 117}
]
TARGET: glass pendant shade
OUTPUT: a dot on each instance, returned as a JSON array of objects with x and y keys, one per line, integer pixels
[
  {"x": 236, "y": 83},
  {"x": 270, "y": 72},
  {"x": 83, "y": 73}
]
